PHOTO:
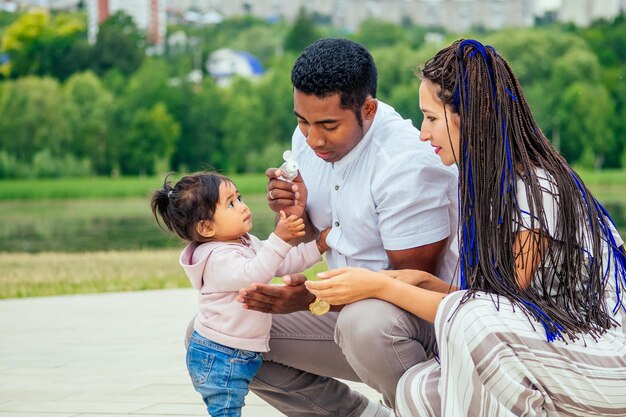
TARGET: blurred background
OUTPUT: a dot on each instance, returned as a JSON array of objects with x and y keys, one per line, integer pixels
[{"x": 99, "y": 99}]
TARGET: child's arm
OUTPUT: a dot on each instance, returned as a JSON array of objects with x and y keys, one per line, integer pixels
[
  {"x": 229, "y": 267},
  {"x": 304, "y": 255},
  {"x": 229, "y": 270}
]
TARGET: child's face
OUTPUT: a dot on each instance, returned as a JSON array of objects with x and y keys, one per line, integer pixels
[{"x": 232, "y": 217}]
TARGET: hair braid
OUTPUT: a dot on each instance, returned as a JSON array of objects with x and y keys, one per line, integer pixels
[{"x": 501, "y": 144}]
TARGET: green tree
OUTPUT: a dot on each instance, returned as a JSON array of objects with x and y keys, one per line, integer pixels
[
  {"x": 144, "y": 89},
  {"x": 396, "y": 66},
  {"x": 302, "y": 33},
  {"x": 556, "y": 61},
  {"x": 586, "y": 130},
  {"x": 276, "y": 94},
  {"x": 89, "y": 110},
  {"x": 147, "y": 86},
  {"x": 119, "y": 44},
  {"x": 150, "y": 141},
  {"x": 32, "y": 119},
  {"x": 202, "y": 135},
  {"x": 375, "y": 33},
  {"x": 262, "y": 41},
  {"x": 40, "y": 45},
  {"x": 608, "y": 42},
  {"x": 20, "y": 34},
  {"x": 242, "y": 125}
]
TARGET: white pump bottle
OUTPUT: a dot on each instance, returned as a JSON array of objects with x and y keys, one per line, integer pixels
[{"x": 289, "y": 168}]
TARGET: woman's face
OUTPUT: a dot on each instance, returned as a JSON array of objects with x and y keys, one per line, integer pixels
[{"x": 444, "y": 137}]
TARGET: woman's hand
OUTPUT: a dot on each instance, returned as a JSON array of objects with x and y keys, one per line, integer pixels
[
  {"x": 410, "y": 276},
  {"x": 347, "y": 285},
  {"x": 420, "y": 279}
]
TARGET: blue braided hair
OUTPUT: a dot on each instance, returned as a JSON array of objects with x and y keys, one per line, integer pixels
[{"x": 502, "y": 148}]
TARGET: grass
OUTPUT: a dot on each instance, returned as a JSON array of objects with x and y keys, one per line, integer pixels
[
  {"x": 53, "y": 273},
  {"x": 104, "y": 187}
]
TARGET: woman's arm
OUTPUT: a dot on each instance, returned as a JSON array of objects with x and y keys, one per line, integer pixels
[
  {"x": 528, "y": 251},
  {"x": 347, "y": 285},
  {"x": 421, "y": 279}
]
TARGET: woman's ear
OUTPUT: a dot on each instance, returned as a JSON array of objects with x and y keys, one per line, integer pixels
[
  {"x": 456, "y": 119},
  {"x": 205, "y": 229}
]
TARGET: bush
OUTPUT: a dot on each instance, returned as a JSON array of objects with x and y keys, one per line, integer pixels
[
  {"x": 8, "y": 165},
  {"x": 45, "y": 165}
]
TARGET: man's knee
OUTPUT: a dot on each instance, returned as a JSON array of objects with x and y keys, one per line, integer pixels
[
  {"x": 364, "y": 321},
  {"x": 373, "y": 324}
]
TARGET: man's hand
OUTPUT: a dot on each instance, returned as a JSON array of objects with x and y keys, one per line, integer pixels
[
  {"x": 289, "y": 197},
  {"x": 277, "y": 299}
]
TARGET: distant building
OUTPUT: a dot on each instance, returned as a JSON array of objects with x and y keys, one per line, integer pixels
[
  {"x": 583, "y": 12},
  {"x": 8, "y": 6},
  {"x": 225, "y": 63},
  {"x": 452, "y": 15},
  {"x": 148, "y": 15}
]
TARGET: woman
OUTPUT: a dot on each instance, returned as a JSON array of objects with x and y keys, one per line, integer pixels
[{"x": 538, "y": 325}]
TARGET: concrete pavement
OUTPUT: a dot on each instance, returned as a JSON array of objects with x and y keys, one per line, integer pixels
[{"x": 103, "y": 355}]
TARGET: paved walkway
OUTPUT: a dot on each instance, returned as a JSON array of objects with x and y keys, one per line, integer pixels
[{"x": 103, "y": 355}]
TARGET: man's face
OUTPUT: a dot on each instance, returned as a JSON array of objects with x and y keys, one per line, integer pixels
[{"x": 331, "y": 131}]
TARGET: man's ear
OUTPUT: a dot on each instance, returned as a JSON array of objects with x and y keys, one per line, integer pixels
[
  {"x": 370, "y": 107},
  {"x": 205, "y": 228}
]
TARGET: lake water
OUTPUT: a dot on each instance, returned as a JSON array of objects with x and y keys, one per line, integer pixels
[
  {"x": 126, "y": 224},
  {"x": 94, "y": 225}
]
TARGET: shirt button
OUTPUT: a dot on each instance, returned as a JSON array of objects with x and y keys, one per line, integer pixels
[
  {"x": 337, "y": 224},
  {"x": 336, "y": 187}
]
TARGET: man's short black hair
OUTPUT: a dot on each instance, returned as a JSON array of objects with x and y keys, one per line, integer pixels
[{"x": 333, "y": 65}]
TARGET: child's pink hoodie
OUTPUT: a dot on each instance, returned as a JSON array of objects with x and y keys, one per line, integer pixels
[{"x": 218, "y": 270}]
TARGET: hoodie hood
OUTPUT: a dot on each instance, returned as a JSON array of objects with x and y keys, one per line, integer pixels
[{"x": 193, "y": 260}]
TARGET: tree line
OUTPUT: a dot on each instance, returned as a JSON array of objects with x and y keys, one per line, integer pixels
[{"x": 70, "y": 108}]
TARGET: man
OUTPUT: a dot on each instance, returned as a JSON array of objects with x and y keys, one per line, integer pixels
[{"x": 390, "y": 204}]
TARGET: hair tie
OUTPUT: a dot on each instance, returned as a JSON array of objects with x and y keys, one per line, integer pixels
[{"x": 169, "y": 193}]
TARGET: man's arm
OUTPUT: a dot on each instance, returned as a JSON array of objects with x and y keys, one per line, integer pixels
[
  {"x": 424, "y": 258},
  {"x": 423, "y": 261}
]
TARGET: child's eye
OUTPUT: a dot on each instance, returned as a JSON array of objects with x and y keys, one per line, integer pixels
[
  {"x": 231, "y": 204},
  {"x": 239, "y": 198},
  {"x": 431, "y": 118}
]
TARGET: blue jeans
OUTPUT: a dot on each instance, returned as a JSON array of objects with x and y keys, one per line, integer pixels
[{"x": 221, "y": 374}]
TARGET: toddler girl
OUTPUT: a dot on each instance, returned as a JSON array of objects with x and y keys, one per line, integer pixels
[{"x": 205, "y": 209}]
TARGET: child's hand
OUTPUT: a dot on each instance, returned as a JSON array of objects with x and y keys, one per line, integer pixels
[
  {"x": 321, "y": 240},
  {"x": 289, "y": 228}
]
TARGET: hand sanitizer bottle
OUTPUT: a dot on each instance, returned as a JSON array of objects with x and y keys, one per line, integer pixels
[{"x": 290, "y": 167}]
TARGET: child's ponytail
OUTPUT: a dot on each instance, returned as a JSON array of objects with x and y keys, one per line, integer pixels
[{"x": 161, "y": 205}]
